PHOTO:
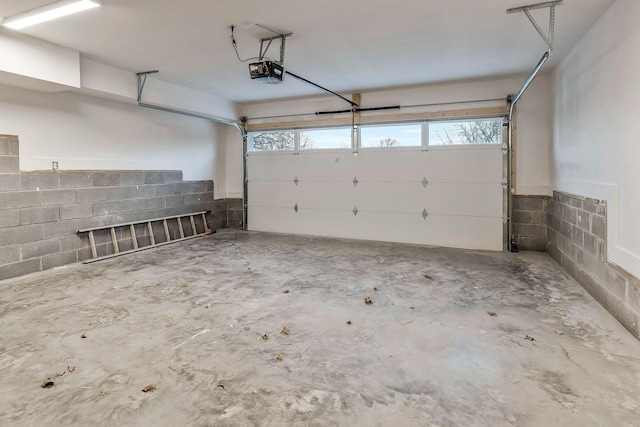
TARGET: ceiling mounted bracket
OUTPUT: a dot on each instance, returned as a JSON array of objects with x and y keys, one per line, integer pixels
[
  {"x": 548, "y": 38},
  {"x": 268, "y": 40},
  {"x": 142, "y": 79}
]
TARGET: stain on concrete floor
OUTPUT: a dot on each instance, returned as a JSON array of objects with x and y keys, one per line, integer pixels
[{"x": 189, "y": 318}]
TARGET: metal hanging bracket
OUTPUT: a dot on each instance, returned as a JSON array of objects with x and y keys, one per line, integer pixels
[
  {"x": 142, "y": 79},
  {"x": 548, "y": 38}
]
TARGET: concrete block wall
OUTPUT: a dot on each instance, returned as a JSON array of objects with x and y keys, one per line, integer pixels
[
  {"x": 530, "y": 222},
  {"x": 41, "y": 212},
  {"x": 577, "y": 240}
]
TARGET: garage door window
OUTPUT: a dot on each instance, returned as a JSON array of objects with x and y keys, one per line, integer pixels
[
  {"x": 408, "y": 135},
  {"x": 465, "y": 132}
]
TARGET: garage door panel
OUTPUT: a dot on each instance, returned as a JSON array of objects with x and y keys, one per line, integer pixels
[
  {"x": 462, "y": 196},
  {"x": 272, "y": 166},
  {"x": 439, "y": 230},
  {"x": 272, "y": 193}
]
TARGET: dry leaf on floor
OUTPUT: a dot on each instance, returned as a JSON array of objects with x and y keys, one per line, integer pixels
[
  {"x": 83, "y": 336},
  {"x": 221, "y": 386},
  {"x": 349, "y": 322},
  {"x": 184, "y": 285},
  {"x": 284, "y": 331},
  {"x": 426, "y": 276},
  {"x": 279, "y": 357},
  {"x": 207, "y": 305},
  {"x": 148, "y": 388},
  {"x": 559, "y": 332},
  {"x": 368, "y": 301},
  {"x": 265, "y": 337},
  {"x": 286, "y": 291},
  {"x": 492, "y": 313},
  {"x": 376, "y": 289},
  {"x": 48, "y": 383},
  {"x": 527, "y": 337},
  {"x": 69, "y": 370}
]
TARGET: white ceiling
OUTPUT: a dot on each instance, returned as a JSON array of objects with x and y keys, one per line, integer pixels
[{"x": 345, "y": 45}]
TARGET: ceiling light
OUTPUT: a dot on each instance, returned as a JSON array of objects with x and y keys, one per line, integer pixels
[{"x": 48, "y": 12}]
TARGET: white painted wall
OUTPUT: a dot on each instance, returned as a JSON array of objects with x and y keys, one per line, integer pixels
[
  {"x": 533, "y": 115},
  {"x": 83, "y": 132},
  {"x": 596, "y": 138},
  {"x": 25, "y": 58}
]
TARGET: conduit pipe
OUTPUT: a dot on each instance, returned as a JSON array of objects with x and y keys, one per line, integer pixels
[
  {"x": 514, "y": 100},
  {"x": 211, "y": 118}
]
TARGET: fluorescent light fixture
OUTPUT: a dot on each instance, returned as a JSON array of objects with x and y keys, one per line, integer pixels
[{"x": 48, "y": 12}]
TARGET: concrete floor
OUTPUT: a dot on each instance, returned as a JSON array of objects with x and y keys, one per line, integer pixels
[{"x": 189, "y": 318}]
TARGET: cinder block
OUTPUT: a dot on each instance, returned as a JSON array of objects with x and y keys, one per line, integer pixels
[
  {"x": 589, "y": 243},
  {"x": 521, "y": 217},
  {"x": 526, "y": 230},
  {"x": 565, "y": 229},
  {"x": 9, "y": 146},
  {"x": 57, "y": 229},
  {"x": 9, "y": 182},
  {"x": 56, "y": 260},
  {"x": 116, "y": 206},
  {"x": 39, "y": 215},
  {"x": 75, "y": 179},
  {"x": 131, "y": 178},
  {"x": 9, "y": 254},
  {"x": 528, "y": 203},
  {"x": 40, "y": 248},
  {"x": 145, "y": 215},
  {"x": 539, "y": 245},
  {"x": 19, "y": 268},
  {"x": 619, "y": 309},
  {"x": 554, "y": 252},
  {"x": 539, "y": 218},
  {"x": 106, "y": 179},
  {"x": 9, "y": 218},
  {"x": 21, "y": 234},
  {"x": 570, "y": 215},
  {"x": 616, "y": 282},
  {"x": 119, "y": 193},
  {"x": 91, "y": 195},
  {"x": 84, "y": 254},
  {"x": 58, "y": 197},
  {"x": 577, "y": 236},
  {"x": 153, "y": 177},
  {"x": 589, "y": 206},
  {"x": 194, "y": 186},
  {"x": 576, "y": 202},
  {"x": 105, "y": 220},
  {"x": 74, "y": 242},
  {"x": 191, "y": 199},
  {"x": 140, "y": 191},
  {"x": 22, "y": 199},
  {"x": 584, "y": 219},
  {"x": 209, "y": 186},
  {"x": 76, "y": 211},
  {"x": 174, "y": 201},
  {"x": 601, "y": 209},
  {"x": 168, "y": 189},
  {"x": 234, "y": 204},
  {"x": 9, "y": 164},
  {"x": 172, "y": 176},
  {"x": 38, "y": 181},
  {"x": 148, "y": 203},
  {"x": 598, "y": 227}
]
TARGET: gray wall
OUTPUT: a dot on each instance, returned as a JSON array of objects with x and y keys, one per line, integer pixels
[
  {"x": 577, "y": 240},
  {"x": 530, "y": 222},
  {"x": 40, "y": 212}
]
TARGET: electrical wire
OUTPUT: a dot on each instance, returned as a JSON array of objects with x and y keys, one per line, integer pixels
[{"x": 235, "y": 48}]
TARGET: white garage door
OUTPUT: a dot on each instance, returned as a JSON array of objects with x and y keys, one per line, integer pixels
[{"x": 442, "y": 193}]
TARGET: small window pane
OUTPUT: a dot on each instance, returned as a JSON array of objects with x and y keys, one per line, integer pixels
[
  {"x": 325, "y": 138},
  {"x": 271, "y": 141},
  {"x": 467, "y": 132},
  {"x": 391, "y": 136}
]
